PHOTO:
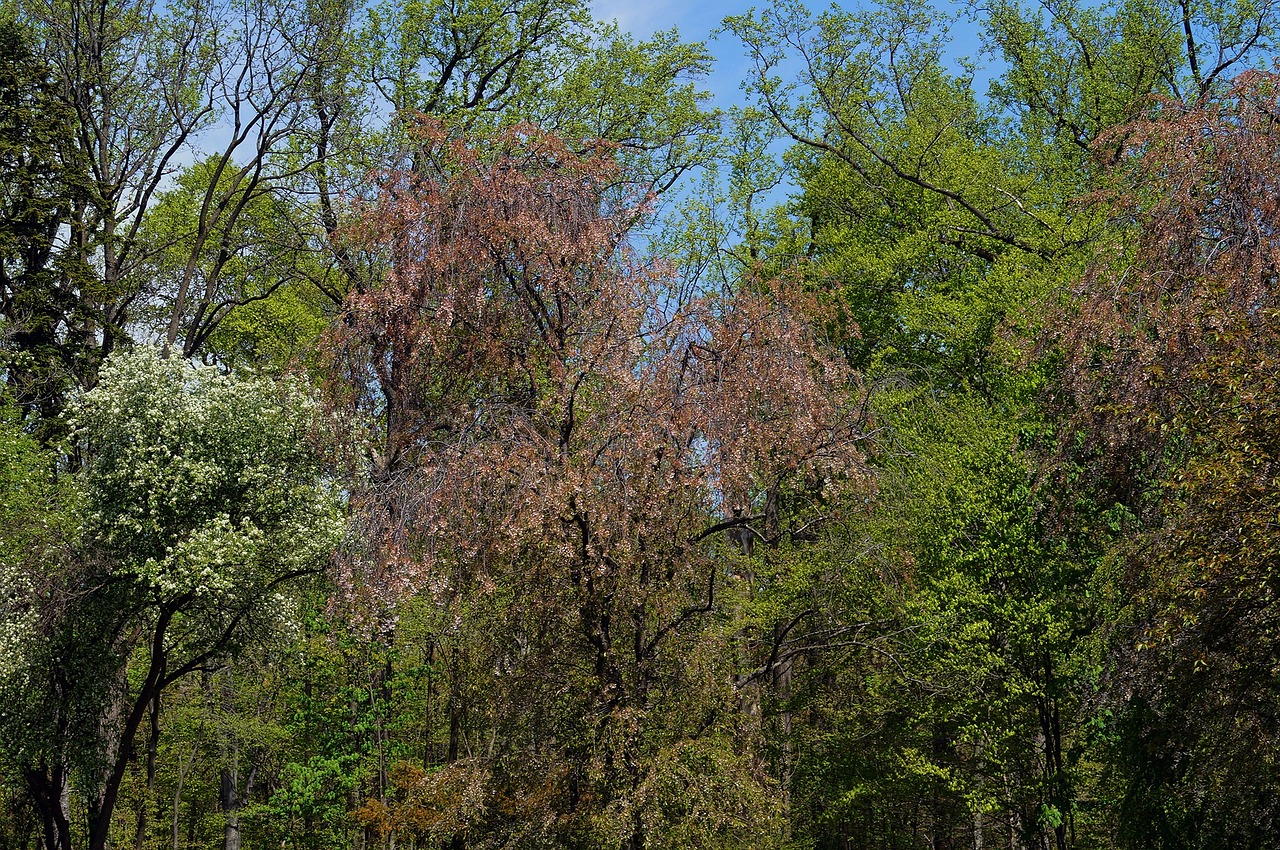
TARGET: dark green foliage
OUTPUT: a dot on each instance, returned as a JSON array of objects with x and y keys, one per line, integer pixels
[
  {"x": 1194, "y": 683},
  {"x": 43, "y": 182}
]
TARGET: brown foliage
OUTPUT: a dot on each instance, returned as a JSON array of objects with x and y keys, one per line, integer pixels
[
  {"x": 1195, "y": 255},
  {"x": 1174, "y": 348},
  {"x": 556, "y": 431},
  {"x": 1173, "y": 367},
  {"x": 528, "y": 374}
]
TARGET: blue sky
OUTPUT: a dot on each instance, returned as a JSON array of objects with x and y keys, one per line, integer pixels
[{"x": 697, "y": 20}]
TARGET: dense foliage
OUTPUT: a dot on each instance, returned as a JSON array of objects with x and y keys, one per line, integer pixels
[{"x": 398, "y": 448}]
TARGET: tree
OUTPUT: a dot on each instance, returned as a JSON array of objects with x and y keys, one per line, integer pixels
[
  {"x": 38, "y": 517},
  {"x": 258, "y": 304},
  {"x": 929, "y": 205},
  {"x": 202, "y": 501},
  {"x": 259, "y": 93},
  {"x": 557, "y": 446},
  {"x": 44, "y": 180},
  {"x": 1170, "y": 361},
  {"x": 480, "y": 66},
  {"x": 871, "y": 92},
  {"x": 929, "y": 220},
  {"x": 259, "y": 85},
  {"x": 133, "y": 106},
  {"x": 292, "y": 94},
  {"x": 1076, "y": 72}
]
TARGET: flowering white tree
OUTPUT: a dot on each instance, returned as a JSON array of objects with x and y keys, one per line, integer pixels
[{"x": 202, "y": 499}]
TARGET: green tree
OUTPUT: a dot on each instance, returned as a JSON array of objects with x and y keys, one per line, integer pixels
[
  {"x": 481, "y": 65},
  {"x": 44, "y": 181},
  {"x": 928, "y": 204},
  {"x": 236, "y": 244},
  {"x": 969, "y": 725},
  {"x": 1076, "y": 70},
  {"x": 924, "y": 212},
  {"x": 38, "y": 515},
  {"x": 946, "y": 235}
]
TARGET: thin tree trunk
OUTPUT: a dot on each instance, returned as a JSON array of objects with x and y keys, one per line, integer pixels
[
  {"x": 153, "y": 743},
  {"x": 182, "y": 778},
  {"x": 103, "y": 808},
  {"x": 230, "y": 786}
]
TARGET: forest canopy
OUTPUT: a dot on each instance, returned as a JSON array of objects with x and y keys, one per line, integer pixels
[{"x": 438, "y": 425}]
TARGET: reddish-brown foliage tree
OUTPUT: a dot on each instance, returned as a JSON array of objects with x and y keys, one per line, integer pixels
[
  {"x": 558, "y": 440},
  {"x": 1174, "y": 367},
  {"x": 1195, "y": 254}
]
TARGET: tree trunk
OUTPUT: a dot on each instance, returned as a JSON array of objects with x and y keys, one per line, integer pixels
[
  {"x": 52, "y": 797},
  {"x": 153, "y": 743},
  {"x": 182, "y": 779},
  {"x": 103, "y": 807},
  {"x": 229, "y": 796},
  {"x": 230, "y": 799}
]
